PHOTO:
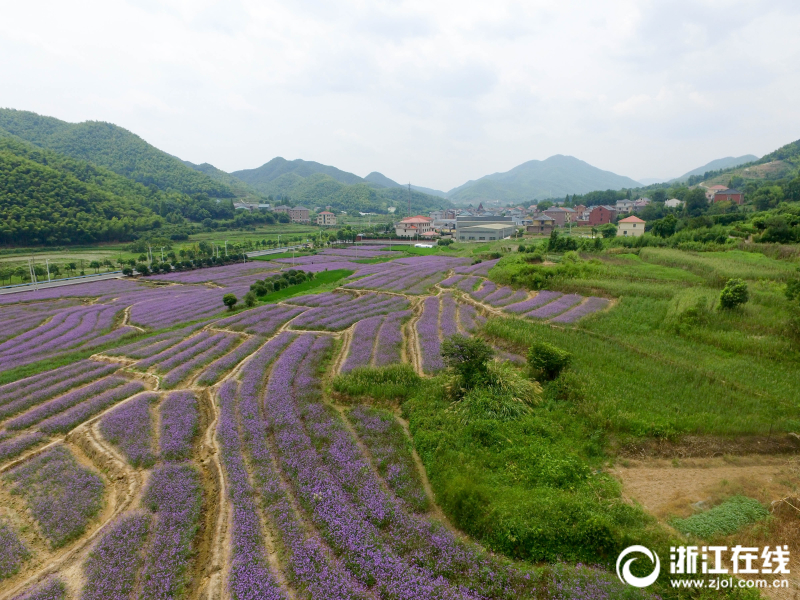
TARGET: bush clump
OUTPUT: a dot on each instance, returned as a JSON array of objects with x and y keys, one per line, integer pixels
[
  {"x": 392, "y": 382},
  {"x": 733, "y": 294},
  {"x": 547, "y": 361}
]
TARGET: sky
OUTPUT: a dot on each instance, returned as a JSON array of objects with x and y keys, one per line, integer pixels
[{"x": 435, "y": 93}]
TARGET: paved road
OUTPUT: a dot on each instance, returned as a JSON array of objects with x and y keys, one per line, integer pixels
[{"x": 61, "y": 282}]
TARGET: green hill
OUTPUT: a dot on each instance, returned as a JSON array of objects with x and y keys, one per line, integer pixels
[
  {"x": 47, "y": 198},
  {"x": 551, "y": 178},
  {"x": 261, "y": 177},
  {"x": 240, "y": 188},
  {"x": 715, "y": 165},
  {"x": 115, "y": 148}
]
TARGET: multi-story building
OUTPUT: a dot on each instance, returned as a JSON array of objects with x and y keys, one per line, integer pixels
[
  {"x": 326, "y": 218},
  {"x": 729, "y": 195},
  {"x": 542, "y": 224},
  {"x": 630, "y": 227},
  {"x": 299, "y": 214},
  {"x": 411, "y": 227},
  {"x": 600, "y": 215}
]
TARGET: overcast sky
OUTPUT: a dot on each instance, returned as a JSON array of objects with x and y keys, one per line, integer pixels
[{"x": 435, "y": 92}]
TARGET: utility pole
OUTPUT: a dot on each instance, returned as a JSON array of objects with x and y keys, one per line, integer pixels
[
  {"x": 409, "y": 199},
  {"x": 47, "y": 266},
  {"x": 150, "y": 252},
  {"x": 162, "y": 254},
  {"x": 226, "y": 248},
  {"x": 33, "y": 273}
]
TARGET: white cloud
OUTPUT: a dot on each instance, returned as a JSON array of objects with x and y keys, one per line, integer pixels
[{"x": 435, "y": 92}]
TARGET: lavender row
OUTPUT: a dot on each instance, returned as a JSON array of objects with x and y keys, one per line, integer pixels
[
  {"x": 64, "y": 402},
  {"x": 182, "y": 371},
  {"x": 467, "y": 284},
  {"x": 12, "y": 551},
  {"x": 65, "y": 421},
  {"x": 481, "y": 268},
  {"x": 51, "y": 589},
  {"x": 249, "y": 576},
  {"x": 311, "y": 566},
  {"x": 201, "y": 303},
  {"x": 326, "y": 299},
  {"x": 364, "y": 335},
  {"x": 212, "y": 373},
  {"x": 554, "y": 308},
  {"x": 487, "y": 288},
  {"x": 428, "y": 336},
  {"x": 130, "y": 428},
  {"x": 175, "y": 496},
  {"x": 112, "y": 566},
  {"x": 40, "y": 391},
  {"x": 539, "y": 299},
  {"x": 183, "y": 350},
  {"x": 264, "y": 320},
  {"x": 390, "y": 338},
  {"x": 496, "y": 298},
  {"x": 83, "y": 290},
  {"x": 17, "y": 445},
  {"x": 344, "y": 315},
  {"x": 451, "y": 281},
  {"x": 179, "y": 422},
  {"x": 591, "y": 305},
  {"x": 153, "y": 345},
  {"x": 12, "y": 391},
  {"x": 61, "y": 495},
  {"x": 448, "y": 325},
  {"x": 391, "y": 450},
  {"x": 468, "y": 318}
]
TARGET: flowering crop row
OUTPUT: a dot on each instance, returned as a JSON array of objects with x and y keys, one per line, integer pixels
[
  {"x": 12, "y": 391},
  {"x": 184, "y": 349},
  {"x": 249, "y": 576},
  {"x": 539, "y": 299},
  {"x": 12, "y": 551},
  {"x": 390, "y": 338},
  {"x": 468, "y": 318},
  {"x": 364, "y": 335},
  {"x": 64, "y": 402},
  {"x": 428, "y": 335},
  {"x": 52, "y": 589},
  {"x": 212, "y": 373},
  {"x": 111, "y": 568},
  {"x": 17, "y": 445},
  {"x": 505, "y": 295},
  {"x": 391, "y": 451},
  {"x": 591, "y": 305},
  {"x": 202, "y": 343},
  {"x": 311, "y": 566},
  {"x": 468, "y": 284},
  {"x": 153, "y": 345},
  {"x": 174, "y": 494},
  {"x": 199, "y": 303},
  {"x": 407, "y": 556},
  {"x": 180, "y": 372},
  {"x": 179, "y": 420},
  {"x": 448, "y": 324},
  {"x": 555, "y": 308},
  {"x": 344, "y": 315},
  {"x": 61, "y": 495},
  {"x": 451, "y": 281},
  {"x": 487, "y": 288},
  {"x": 326, "y": 299},
  {"x": 264, "y": 320},
  {"x": 130, "y": 428},
  {"x": 63, "y": 422},
  {"x": 359, "y": 253},
  {"x": 481, "y": 268},
  {"x": 39, "y": 391},
  {"x": 408, "y": 275}
]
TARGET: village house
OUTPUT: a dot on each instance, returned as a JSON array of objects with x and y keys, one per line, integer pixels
[
  {"x": 412, "y": 227},
  {"x": 299, "y": 214},
  {"x": 326, "y": 218},
  {"x": 560, "y": 216},
  {"x": 729, "y": 195},
  {"x": 713, "y": 190},
  {"x": 600, "y": 215},
  {"x": 673, "y": 203},
  {"x": 630, "y": 227},
  {"x": 624, "y": 206},
  {"x": 542, "y": 224}
]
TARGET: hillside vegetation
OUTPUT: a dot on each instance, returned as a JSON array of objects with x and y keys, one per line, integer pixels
[{"x": 113, "y": 147}]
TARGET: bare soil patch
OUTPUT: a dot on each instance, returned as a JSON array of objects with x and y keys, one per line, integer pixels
[{"x": 695, "y": 446}]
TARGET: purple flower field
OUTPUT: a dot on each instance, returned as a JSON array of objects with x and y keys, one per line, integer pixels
[
  {"x": 178, "y": 425},
  {"x": 539, "y": 299},
  {"x": 343, "y": 315},
  {"x": 264, "y": 320},
  {"x": 591, "y": 305},
  {"x": 12, "y": 551},
  {"x": 428, "y": 336},
  {"x": 52, "y": 589},
  {"x": 364, "y": 335},
  {"x": 555, "y": 307},
  {"x": 61, "y": 495},
  {"x": 130, "y": 428}
]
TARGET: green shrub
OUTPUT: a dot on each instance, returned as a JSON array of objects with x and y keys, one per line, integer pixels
[
  {"x": 468, "y": 358},
  {"x": 250, "y": 299},
  {"x": 547, "y": 361},
  {"x": 733, "y": 294},
  {"x": 506, "y": 395},
  {"x": 729, "y": 517},
  {"x": 229, "y": 300},
  {"x": 392, "y": 382}
]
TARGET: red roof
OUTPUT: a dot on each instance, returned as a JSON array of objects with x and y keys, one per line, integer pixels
[
  {"x": 416, "y": 219},
  {"x": 325, "y": 212},
  {"x": 631, "y": 219}
]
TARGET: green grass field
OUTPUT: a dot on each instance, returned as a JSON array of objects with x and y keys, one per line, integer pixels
[{"x": 323, "y": 281}]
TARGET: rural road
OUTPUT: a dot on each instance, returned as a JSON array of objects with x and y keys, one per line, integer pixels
[{"x": 60, "y": 283}]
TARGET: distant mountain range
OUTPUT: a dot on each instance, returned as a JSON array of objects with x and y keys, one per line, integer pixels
[
  {"x": 554, "y": 177},
  {"x": 716, "y": 165}
]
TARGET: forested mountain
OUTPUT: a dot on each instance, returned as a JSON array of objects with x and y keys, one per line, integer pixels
[
  {"x": 46, "y": 198},
  {"x": 715, "y": 165},
  {"x": 261, "y": 177},
  {"x": 382, "y": 180},
  {"x": 240, "y": 188},
  {"x": 554, "y": 177},
  {"x": 115, "y": 148},
  {"x": 313, "y": 184}
]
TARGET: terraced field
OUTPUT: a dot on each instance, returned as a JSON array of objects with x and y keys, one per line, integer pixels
[{"x": 153, "y": 445}]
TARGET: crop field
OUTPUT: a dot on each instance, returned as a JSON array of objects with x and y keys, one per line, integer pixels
[{"x": 154, "y": 444}]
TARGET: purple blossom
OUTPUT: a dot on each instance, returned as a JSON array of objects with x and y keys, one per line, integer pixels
[
  {"x": 184, "y": 350},
  {"x": 182, "y": 371},
  {"x": 428, "y": 335},
  {"x": 364, "y": 336},
  {"x": 264, "y": 320},
  {"x": 487, "y": 288},
  {"x": 63, "y": 422},
  {"x": 174, "y": 494},
  {"x": 17, "y": 445},
  {"x": 345, "y": 314},
  {"x": 130, "y": 428},
  {"x": 467, "y": 316},
  {"x": 12, "y": 551},
  {"x": 52, "y": 589},
  {"x": 467, "y": 284},
  {"x": 179, "y": 418},
  {"x": 539, "y": 299},
  {"x": 61, "y": 495},
  {"x": 449, "y": 326},
  {"x": 451, "y": 281},
  {"x": 111, "y": 567},
  {"x": 219, "y": 367},
  {"x": 592, "y": 304},
  {"x": 64, "y": 402},
  {"x": 556, "y": 307},
  {"x": 390, "y": 338}
]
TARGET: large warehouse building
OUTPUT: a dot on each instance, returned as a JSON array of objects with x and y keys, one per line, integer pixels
[{"x": 484, "y": 229}]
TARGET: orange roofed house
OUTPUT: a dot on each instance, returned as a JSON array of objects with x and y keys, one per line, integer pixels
[
  {"x": 416, "y": 226},
  {"x": 630, "y": 227}
]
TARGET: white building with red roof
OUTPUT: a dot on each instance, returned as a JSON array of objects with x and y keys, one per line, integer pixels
[
  {"x": 326, "y": 218},
  {"x": 630, "y": 227},
  {"x": 412, "y": 227}
]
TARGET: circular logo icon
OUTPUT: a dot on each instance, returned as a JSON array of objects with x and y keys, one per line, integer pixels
[{"x": 627, "y": 577}]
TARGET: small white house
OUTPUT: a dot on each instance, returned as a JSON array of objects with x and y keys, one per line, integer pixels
[
  {"x": 630, "y": 227},
  {"x": 673, "y": 203}
]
